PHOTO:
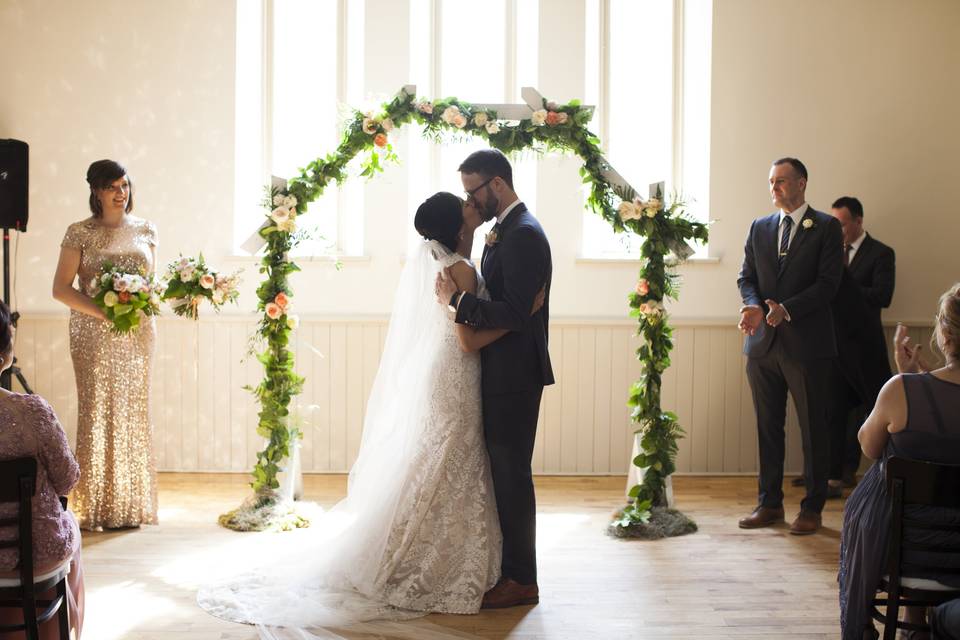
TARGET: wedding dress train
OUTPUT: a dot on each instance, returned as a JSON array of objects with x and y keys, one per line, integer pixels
[{"x": 418, "y": 531}]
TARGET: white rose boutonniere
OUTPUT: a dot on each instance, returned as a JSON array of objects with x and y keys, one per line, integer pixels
[
  {"x": 492, "y": 237},
  {"x": 807, "y": 223}
]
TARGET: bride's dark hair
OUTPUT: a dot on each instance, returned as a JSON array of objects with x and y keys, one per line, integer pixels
[{"x": 440, "y": 218}]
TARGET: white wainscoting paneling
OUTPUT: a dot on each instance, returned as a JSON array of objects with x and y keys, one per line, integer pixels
[{"x": 204, "y": 419}]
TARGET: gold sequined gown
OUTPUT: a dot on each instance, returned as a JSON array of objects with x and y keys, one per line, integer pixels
[{"x": 117, "y": 486}]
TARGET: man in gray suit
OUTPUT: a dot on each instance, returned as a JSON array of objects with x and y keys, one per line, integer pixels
[{"x": 791, "y": 271}]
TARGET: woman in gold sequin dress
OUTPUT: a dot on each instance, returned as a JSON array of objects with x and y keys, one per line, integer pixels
[{"x": 117, "y": 486}]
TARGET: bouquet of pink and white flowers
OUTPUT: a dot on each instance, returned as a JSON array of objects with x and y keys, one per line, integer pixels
[
  {"x": 124, "y": 297},
  {"x": 190, "y": 281}
]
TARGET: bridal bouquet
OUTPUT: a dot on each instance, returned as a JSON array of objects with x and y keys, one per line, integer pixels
[
  {"x": 190, "y": 282},
  {"x": 124, "y": 297}
]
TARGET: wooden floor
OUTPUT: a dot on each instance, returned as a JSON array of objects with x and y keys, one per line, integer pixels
[{"x": 722, "y": 582}]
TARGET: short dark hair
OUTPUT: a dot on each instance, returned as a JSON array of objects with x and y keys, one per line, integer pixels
[
  {"x": 851, "y": 204},
  {"x": 100, "y": 175},
  {"x": 489, "y": 163},
  {"x": 6, "y": 328},
  {"x": 796, "y": 164},
  {"x": 440, "y": 218}
]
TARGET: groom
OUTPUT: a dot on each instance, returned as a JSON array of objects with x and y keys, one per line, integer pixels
[{"x": 516, "y": 265}]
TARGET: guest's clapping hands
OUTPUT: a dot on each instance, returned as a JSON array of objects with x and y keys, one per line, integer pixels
[
  {"x": 777, "y": 313},
  {"x": 907, "y": 355},
  {"x": 750, "y": 319}
]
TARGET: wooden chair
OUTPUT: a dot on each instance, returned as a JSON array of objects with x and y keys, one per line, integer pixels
[
  {"x": 18, "y": 484},
  {"x": 910, "y": 482}
]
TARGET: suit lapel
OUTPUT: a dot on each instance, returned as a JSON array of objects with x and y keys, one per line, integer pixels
[
  {"x": 771, "y": 250},
  {"x": 489, "y": 252},
  {"x": 861, "y": 253}
]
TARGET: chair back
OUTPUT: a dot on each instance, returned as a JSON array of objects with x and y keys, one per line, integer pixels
[
  {"x": 18, "y": 484},
  {"x": 914, "y": 548}
]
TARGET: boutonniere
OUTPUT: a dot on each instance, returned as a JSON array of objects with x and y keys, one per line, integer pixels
[
  {"x": 492, "y": 237},
  {"x": 807, "y": 223}
]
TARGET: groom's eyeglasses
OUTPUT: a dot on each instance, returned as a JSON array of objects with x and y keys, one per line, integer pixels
[{"x": 470, "y": 193}]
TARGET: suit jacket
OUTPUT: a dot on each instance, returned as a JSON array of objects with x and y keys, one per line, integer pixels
[
  {"x": 874, "y": 269},
  {"x": 849, "y": 317},
  {"x": 805, "y": 284},
  {"x": 515, "y": 268}
]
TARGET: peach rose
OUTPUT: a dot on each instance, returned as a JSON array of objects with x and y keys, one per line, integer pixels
[
  {"x": 207, "y": 281},
  {"x": 562, "y": 118},
  {"x": 387, "y": 125},
  {"x": 380, "y": 140},
  {"x": 552, "y": 118},
  {"x": 124, "y": 297},
  {"x": 425, "y": 107},
  {"x": 273, "y": 310},
  {"x": 282, "y": 300},
  {"x": 459, "y": 121},
  {"x": 643, "y": 287}
]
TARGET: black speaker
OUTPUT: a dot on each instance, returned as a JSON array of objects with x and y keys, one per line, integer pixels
[{"x": 14, "y": 175}]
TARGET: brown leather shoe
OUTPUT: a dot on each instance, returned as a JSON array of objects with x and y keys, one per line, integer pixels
[
  {"x": 510, "y": 593},
  {"x": 762, "y": 517},
  {"x": 807, "y": 522}
]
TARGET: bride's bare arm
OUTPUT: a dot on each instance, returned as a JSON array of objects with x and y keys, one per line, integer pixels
[{"x": 63, "y": 289}]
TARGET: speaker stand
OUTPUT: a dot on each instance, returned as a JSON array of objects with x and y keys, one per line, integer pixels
[{"x": 13, "y": 370}]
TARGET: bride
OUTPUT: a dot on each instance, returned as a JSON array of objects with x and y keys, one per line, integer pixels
[{"x": 418, "y": 530}]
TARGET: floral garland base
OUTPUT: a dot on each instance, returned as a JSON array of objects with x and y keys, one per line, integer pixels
[
  {"x": 268, "y": 511},
  {"x": 663, "y": 522}
]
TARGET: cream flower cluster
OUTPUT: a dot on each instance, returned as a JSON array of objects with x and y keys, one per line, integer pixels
[
  {"x": 284, "y": 214},
  {"x": 637, "y": 209}
]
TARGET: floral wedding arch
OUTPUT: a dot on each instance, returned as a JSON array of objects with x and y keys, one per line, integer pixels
[{"x": 540, "y": 126}]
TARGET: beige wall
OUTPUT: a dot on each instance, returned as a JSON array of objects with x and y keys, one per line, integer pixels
[{"x": 861, "y": 90}]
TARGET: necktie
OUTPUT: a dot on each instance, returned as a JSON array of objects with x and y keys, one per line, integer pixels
[
  {"x": 847, "y": 248},
  {"x": 785, "y": 239}
]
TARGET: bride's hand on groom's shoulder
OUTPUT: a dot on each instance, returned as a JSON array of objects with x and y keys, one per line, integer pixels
[
  {"x": 539, "y": 300},
  {"x": 445, "y": 287}
]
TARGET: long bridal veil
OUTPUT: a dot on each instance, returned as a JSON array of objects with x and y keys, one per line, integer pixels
[{"x": 330, "y": 575}]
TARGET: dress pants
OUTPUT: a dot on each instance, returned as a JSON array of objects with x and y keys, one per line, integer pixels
[
  {"x": 510, "y": 429},
  {"x": 771, "y": 376}
]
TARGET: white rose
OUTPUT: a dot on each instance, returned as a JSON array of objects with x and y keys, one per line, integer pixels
[
  {"x": 155, "y": 299},
  {"x": 218, "y": 297},
  {"x": 539, "y": 116},
  {"x": 277, "y": 201},
  {"x": 387, "y": 125},
  {"x": 493, "y": 128},
  {"x": 293, "y": 322},
  {"x": 110, "y": 298},
  {"x": 287, "y": 226},
  {"x": 187, "y": 274},
  {"x": 459, "y": 121},
  {"x": 450, "y": 113},
  {"x": 289, "y": 202},
  {"x": 135, "y": 283},
  {"x": 369, "y": 126},
  {"x": 629, "y": 211},
  {"x": 280, "y": 214},
  {"x": 480, "y": 119},
  {"x": 207, "y": 281},
  {"x": 127, "y": 282}
]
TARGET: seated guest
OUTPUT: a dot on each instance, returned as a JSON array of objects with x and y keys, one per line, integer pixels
[
  {"x": 29, "y": 428},
  {"x": 945, "y": 621},
  {"x": 914, "y": 417}
]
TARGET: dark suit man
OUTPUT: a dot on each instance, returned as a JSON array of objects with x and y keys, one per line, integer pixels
[
  {"x": 516, "y": 266},
  {"x": 872, "y": 266},
  {"x": 791, "y": 271}
]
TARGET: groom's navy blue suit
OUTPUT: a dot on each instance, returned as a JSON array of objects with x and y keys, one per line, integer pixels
[
  {"x": 797, "y": 354},
  {"x": 515, "y": 369}
]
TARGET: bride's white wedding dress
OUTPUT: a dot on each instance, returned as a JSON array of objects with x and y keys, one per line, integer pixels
[{"x": 418, "y": 530}]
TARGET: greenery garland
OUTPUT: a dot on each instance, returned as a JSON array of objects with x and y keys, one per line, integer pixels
[{"x": 554, "y": 127}]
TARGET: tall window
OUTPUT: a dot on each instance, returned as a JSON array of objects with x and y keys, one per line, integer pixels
[
  {"x": 446, "y": 43},
  {"x": 649, "y": 75},
  {"x": 277, "y": 43}
]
